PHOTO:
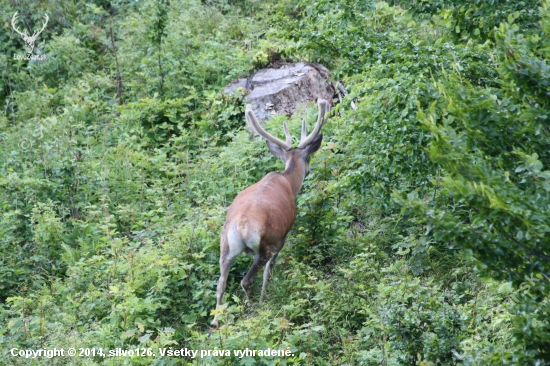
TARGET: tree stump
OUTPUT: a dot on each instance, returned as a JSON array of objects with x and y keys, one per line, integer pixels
[{"x": 280, "y": 90}]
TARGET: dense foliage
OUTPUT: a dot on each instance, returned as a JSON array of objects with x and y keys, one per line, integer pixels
[{"x": 423, "y": 230}]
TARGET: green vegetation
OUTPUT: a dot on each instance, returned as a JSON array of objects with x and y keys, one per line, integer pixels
[{"x": 423, "y": 230}]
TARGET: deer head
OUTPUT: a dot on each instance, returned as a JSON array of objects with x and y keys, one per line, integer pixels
[{"x": 29, "y": 40}]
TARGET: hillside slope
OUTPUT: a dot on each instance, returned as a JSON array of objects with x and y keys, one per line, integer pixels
[{"x": 422, "y": 235}]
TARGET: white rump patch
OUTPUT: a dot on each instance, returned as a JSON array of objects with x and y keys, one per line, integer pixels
[
  {"x": 235, "y": 242},
  {"x": 241, "y": 240}
]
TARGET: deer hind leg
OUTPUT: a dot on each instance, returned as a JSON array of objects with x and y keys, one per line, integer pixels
[
  {"x": 230, "y": 248},
  {"x": 267, "y": 274},
  {"x": 225, "y": 265},
  {"x": 262, "y": 259}
]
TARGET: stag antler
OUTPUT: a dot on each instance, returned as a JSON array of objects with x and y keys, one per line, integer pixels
[
  {"x": 13, "y": 19},
  {"x": 324, "y": 109},
  {"x": 43, "y": 27},
  {"x": 253, "y": 122}
]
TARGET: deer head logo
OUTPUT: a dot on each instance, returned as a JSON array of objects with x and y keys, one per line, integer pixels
[{"x": 29, "y": 40}]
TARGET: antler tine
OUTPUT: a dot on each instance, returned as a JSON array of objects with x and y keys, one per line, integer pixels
[
  {"x": 43, "y": 27},
  {"x": 304, "y": 130},
  {"x": 324, "y": 109},
  {"x": 251, "y": 118},
  {"x": 287, "y": 134},
  {"x": 13, "y": 20}
]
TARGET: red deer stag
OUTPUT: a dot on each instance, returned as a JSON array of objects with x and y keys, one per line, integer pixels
[{"x": 260, "y": 216}]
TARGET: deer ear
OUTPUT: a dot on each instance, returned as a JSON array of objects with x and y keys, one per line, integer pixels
[
  {"x": 276, "y": 150},
  {"x": 314, "y": 146}
]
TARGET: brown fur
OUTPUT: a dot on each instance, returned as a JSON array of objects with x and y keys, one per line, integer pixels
[
  {"x": 267, "y": 209},
  {"x": 261, "y": 216}
]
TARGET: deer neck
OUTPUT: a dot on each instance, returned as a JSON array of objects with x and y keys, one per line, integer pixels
[{"x": 295, "y": 172}]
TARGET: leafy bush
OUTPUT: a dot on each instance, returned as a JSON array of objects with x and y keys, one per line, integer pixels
[
  {"x": 432, "y": 177},
  {"x": 474, "y": 19},
  {"x": 489, "y": 143}
]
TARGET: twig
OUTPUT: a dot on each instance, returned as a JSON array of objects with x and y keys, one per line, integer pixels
[
  {"x": 9, "y": 104},
  {"x": 193, "y": 232},
  {"x": 344, "y": 93},
  {"x": 161, "y": 81},
  {"x": 529, "y": 250},
  {"x": 118, "y": 77},
  {"x": 335, "y": 86}
]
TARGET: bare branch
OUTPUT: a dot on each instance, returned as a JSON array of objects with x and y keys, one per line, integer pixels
[{"x": 118, "y": 77}]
